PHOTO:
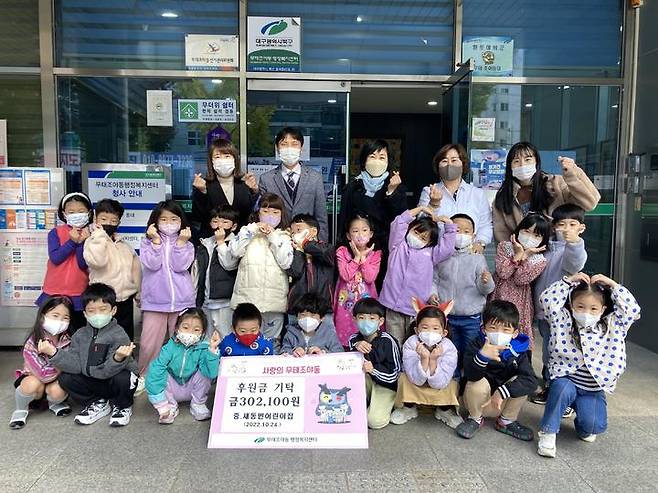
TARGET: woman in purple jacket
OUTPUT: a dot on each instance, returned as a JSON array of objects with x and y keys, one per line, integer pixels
[
  {"x": 166, "y": 255},
  {"x": 415, "y": 248}
]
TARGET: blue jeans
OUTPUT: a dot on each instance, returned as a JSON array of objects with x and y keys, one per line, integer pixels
[
  {"x": 591, "y": 408},
  {"x": 545, "y": 331},
  {"x": 464, "y": 328}
]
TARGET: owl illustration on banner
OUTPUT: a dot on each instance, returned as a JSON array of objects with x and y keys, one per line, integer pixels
[{"x": 332, "y": 405}]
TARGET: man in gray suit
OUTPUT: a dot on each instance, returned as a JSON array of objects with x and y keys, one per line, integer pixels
[{"x": 300, "y": 188}]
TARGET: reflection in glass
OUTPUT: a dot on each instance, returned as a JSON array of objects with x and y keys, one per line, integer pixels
[{"x": 20, "y": 105}]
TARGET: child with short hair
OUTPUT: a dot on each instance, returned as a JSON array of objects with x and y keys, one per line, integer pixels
[
  {"x": 358, "y": 267},
  {"x": 464, "y": 278},
  {"x": 114, "y": 262},
  {"x": 518, "y": 263},
  {"x": 382, "y": 364},
  {"x": 265, "y": 250},
  {"x": 215, "y": 270},
  {"x": 311, "y": 333},
  {"x": 312, "y": 269},
  {"x": 429, "y": 359},
  {"x": 166, "y": 254},
  {"x": 589, "y": 319},
  {"x": 66, "y": 272},
  {"x": 498, "y": 373},
  {"x": 184, "y": 369},
  {"x": 415, "y": 247},
  {"x": 246, "y": 338},
  {"x": 565, "y": 256},
  {"x": 38, "y": 377},
  {"x": 97, "y": 368}
]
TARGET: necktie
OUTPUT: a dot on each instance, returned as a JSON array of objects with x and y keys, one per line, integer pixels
[{"x": 291, "y": 180}]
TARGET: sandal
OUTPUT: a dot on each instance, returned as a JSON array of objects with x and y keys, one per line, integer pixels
[
  {"x": 18, "y": 419},
  {"x": 61, "y": 409}
]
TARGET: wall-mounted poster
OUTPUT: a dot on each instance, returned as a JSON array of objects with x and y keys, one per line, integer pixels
[
  {"x": 211, "y": 52},
  {"x": 493, "y": 55},
  {"x": 274, "y": 44}
]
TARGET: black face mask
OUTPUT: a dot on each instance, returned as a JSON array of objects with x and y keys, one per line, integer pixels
[{"x": 110, "y": 229}]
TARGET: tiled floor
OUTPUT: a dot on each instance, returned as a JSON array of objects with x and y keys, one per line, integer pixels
[{"x": 53, "y": 454}]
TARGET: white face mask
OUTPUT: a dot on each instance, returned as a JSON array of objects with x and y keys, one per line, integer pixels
[
  {"x": 308, "y": 324},
  {"x": 187, "y": 339},
  {"x": 415, "y": 242},
  {"x": 224, "y": 166},
  {"x": 499, "y": 338},
  {"x": 528, "y": 240},
  {"x": 430, "y": 337},
  {"x": 463, "y": 240},
  {"x": 586, "y": 320},
  {"x": 290, "y": 155},
  {"x": 524, "y": 173},
  {"x": 301, "y": 236},
  {"x": 77, "y": 219},
  {"x": 376, "y": 167},
  {"x": 54, "y": 326},
  {"x": 559, "y": 235}
]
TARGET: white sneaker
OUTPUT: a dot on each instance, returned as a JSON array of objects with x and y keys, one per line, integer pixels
[
  {"x": 588, "y": 438},
  {"x": 546, "y": 447},
  {"x": 449, "y": 417},
  {"x": 141, "y": 385},
  {"x": 200, "y": 412},
  {"x": 93, "y": 412},
  {"x": 402, "y": 415},
  {"x": 120, "y": 417}
]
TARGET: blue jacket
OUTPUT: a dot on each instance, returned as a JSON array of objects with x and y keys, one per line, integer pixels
[
  {"x": 230, "y": 346},
  {"x": 181, "y": 363}
]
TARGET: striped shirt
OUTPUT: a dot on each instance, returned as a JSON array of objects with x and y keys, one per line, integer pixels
[{"x": 584, "y": 380}]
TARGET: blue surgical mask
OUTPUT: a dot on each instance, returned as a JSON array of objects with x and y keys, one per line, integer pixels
[{"x": 367, "y": 327}]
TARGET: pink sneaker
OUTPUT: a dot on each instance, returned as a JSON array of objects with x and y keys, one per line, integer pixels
[{"x": 168, "y": 416}]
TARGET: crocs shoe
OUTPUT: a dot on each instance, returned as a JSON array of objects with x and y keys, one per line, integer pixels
[
  {"x": 469, "y": 428},
  {"x": 516, "y": 430}
]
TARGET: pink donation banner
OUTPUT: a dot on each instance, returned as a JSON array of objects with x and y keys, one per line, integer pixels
[{"x": 285, "y": 402}]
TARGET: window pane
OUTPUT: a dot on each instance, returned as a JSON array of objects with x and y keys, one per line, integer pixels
[
  {"x": 370, "y": 37},
  {"x": 581, "y": 122},
  {"x": 134, "y": 34},
  {"x": 19, "y": 33},
  {"x": 20, "y": 105},
  {"x": 103, "y": 120},
  {"x": 580, "y": 39}
]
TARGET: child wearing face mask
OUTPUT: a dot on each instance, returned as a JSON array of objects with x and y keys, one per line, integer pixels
[
  {"x": 518, "y": 263},
  {"x": 66, "y": 272},
  {"x": 246, "y": 338},
  {"x": 310, "y": 334},
  {"x": 113, "y": 261},
  {"x": 166, "y": 255},
  {"x": 464, "y": 278},
  {"x": 266, "y": 252},
  {"x": 382, "y": 364},
  {"x": 415, "y": 247},
  {"x": 498, "y": 374},
  {"x": 215, "y": 269},
  {"x": 358, "y": 267},
  {"x": 184, "y": 369},
  {"x": 565, "y": 256},
  {"x": 429, "y": 360},
  {"x": 589, "y": 319},
  {"x": 38, "y": 377}
]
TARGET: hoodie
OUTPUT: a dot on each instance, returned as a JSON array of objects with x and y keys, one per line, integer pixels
[{"x": 324, "y": 337}]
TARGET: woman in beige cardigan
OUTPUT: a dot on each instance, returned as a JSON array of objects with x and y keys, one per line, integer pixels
[{"x": 526, "y": 188}]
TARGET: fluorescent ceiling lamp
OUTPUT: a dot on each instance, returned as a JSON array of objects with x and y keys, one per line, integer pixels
[
  {"x": 432, "y": 103},
  {"x": 528, "y": 105},
  {"x": 169, "y": 15},
  {"x": 359, "y": 18},
  {"x": 332, "y": 101}
]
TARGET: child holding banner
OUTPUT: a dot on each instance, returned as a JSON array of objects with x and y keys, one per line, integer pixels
[{"x": 382, "y": 363}]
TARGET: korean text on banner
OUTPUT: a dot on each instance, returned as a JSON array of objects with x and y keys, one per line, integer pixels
[
  {"x": 274, "y": 44},
  {"x": 211, "y": 52},
  {"x": 492, "y": 55},
  {"x": 207, "y": 110},
  {"x": 282, "y": 402}
]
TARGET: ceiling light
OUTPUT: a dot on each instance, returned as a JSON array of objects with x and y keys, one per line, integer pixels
[
  {"x": 615, "y": 106},
  {"x": 432, "y": 103},
  {"x": 217, "y": 81},
  {"x": 566, "y": 87},
  {"x": 359, "y": 18},
  {"x": 332, "y": 101},
  {"x": 169, "y": 15},
  {"x": 528, "y": 105}
]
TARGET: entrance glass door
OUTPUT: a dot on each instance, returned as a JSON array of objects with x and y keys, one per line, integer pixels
[
  {"x": 455, "y": 106},
  {"x": 319, "y": 110}
]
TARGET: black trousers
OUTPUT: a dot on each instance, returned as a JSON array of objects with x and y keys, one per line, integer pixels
[
  {"x": 78, "y": 321},
  {"x": 119, "y": 389},
  {"x": 124, "y": 316}
]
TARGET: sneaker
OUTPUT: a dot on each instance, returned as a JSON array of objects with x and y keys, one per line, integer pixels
[
  {"x": 402, "y": 415},
  {"x": 469, "y": 428},
  {"x": 141, "y": 385},
  {"x": 449, "y": 417},
  {"x": 61, "y": 409},
  {"x": 200, "y": 412},
  {"x": 568, "y": 413},
  {"x": 587, "y": 438},
  {"x": 169, "y": 416},
  {"x": 18, "y": 420},
  {"x": 515, "y": 429},
  {"x": 540, "y": 397},
  {"x": 546, "y": 446},
  {"x": 120, "y": 417},
  {"x": 93, "y": 412}
]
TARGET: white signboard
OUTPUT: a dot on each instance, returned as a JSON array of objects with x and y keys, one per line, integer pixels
[
  {"x": 492, "y": 55},
  {"x": 159, "y": 109},
  {"x": 207, "y": 110},
  {"x": 483, "y": 129},
  {"x": 211, "y": 52},
  {"x": 274, "y": 44}
]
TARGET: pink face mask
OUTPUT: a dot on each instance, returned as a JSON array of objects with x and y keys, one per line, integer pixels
[
  {"x": 361, "y": 240},
  {"x": 169, "y": 229},
  {"x": 271, "y": 220}
]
